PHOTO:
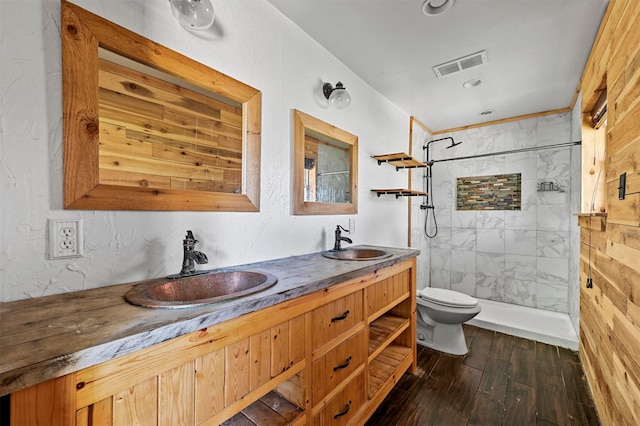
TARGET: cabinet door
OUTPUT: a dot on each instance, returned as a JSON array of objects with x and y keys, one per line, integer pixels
[{"x": 333, "y": 319}]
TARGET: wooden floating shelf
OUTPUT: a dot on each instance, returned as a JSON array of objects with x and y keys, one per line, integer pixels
[
  {"x": 400, "y": 160},
  {"x": 399, "y": 192}
]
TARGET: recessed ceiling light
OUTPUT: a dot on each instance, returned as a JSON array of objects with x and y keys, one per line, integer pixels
[
  {"x": 474, "y": 82},
  {"x": 436, "y": 7},
  {"x": 486, "y": 112}
]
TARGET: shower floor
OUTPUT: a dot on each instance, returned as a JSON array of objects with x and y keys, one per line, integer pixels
[{"x": 540, "y": 325}]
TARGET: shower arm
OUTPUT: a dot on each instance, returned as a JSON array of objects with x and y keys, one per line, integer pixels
[
  {"x": 428, "y": 159},
  {"x": 430, "y": 162}
]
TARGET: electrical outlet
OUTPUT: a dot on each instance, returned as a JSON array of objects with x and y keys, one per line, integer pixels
[
  {"x": 65, "y": 238},
  {"x": 352, "y": 225}
]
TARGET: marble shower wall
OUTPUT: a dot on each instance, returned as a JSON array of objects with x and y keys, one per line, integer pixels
[
  {"x": 574, "y": 229},
  {"x": 520, "y": 257}
]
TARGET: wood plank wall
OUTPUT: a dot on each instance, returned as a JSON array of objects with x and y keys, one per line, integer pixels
[{"x": 610, "y": 248}]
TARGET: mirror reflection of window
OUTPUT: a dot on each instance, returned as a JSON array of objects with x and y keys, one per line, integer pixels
[
  {"x": 327, "y": 177},
  {"x": 333, "y": 174}
]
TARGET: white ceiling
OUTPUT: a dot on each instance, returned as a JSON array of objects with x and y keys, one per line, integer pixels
[{"x": 536, "y": 51}]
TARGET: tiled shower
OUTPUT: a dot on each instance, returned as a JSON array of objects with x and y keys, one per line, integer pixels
[{"x": 522, "y": 257}]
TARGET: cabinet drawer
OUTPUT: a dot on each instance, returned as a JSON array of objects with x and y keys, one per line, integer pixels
[
  {"x": 344, "y": 405},
  {"x": 334, "y": 367},
  {"x": 334, "y": 318}
]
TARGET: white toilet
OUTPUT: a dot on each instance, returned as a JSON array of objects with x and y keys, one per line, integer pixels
[{"x": 441, "y": 313}]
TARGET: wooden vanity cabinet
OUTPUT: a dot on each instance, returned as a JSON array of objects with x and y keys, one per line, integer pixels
[{"x": 326, "y": 358}]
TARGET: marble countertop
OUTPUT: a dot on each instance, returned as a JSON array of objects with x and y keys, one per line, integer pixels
[{"x": 51, "y": 336}]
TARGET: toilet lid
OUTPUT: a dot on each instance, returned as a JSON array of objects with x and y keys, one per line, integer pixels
[{"x": 446, "y": 297}]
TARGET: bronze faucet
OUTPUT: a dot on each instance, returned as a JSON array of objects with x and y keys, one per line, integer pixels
[
  {"x": 191, "y": 257},
  {"x": 339, "y": 238}
]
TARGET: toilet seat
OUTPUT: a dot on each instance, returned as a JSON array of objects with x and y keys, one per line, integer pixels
[{"x": 449, "y": 298}]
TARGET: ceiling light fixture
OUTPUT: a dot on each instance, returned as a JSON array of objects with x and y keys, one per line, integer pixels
[
  {"x": 474, "y": 82},
  {"x": 436, "y": 7},
  {"x": 486, "y": 112},
  {"x": 193, "y": 14},
  {"x": 337, "y": 96}
]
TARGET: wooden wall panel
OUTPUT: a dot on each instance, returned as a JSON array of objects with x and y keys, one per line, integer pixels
[
  {"x": 610, "y": 254},
  {"x": 623, "y": 132},
  {"x": 625, "y": 42},
  {"x": 625, "y": 91},
  {"x": 623, "y": 161}
]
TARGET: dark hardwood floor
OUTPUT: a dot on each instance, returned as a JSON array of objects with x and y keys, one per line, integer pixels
[{"x": 503, "y": 380}]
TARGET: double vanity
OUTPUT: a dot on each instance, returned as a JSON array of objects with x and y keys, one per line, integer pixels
[{"x": 323, "y": 344}]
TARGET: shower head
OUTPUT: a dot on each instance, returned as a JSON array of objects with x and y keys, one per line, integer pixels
[{"x": 426, "y": 146}]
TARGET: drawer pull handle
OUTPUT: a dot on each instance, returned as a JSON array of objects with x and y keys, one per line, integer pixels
[
  {"x": 341, "y": 366},
  {"x": 343, "y": 412},
  {"x": 341, "y": 317}
]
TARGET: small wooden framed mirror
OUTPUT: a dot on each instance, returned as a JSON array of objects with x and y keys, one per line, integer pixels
[
  {"x": 146, "y": 128},
  {"x": 325, "y": 168}
]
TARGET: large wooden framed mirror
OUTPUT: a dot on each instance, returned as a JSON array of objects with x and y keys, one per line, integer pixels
[
  {"x": 146, "y": 128},
  {"x": 325, "y": 167}
]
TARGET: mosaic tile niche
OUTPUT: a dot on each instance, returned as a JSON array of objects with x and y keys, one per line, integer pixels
[{"x": 494, "y": 192}]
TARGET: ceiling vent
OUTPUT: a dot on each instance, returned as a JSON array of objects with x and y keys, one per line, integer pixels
[{"x": 461, "y": 64}]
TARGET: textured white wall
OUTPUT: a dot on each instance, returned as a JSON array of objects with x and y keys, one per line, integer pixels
[{"x": 250, "y": 41}]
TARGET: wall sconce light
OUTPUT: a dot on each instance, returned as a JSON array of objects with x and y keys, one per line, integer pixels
[
  {"x": 193, "y": 14},
  {"x": 337, "y": 96}
]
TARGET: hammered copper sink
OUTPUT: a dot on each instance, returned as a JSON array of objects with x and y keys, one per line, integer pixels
[
  {"x": 199, "y": 290},
  {"x": 356, "y": 254}
]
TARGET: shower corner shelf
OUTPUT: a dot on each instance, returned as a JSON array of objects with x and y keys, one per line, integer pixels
[
  {"x": 399, "y": 192},
  {"x": 399, "y": 160}
]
